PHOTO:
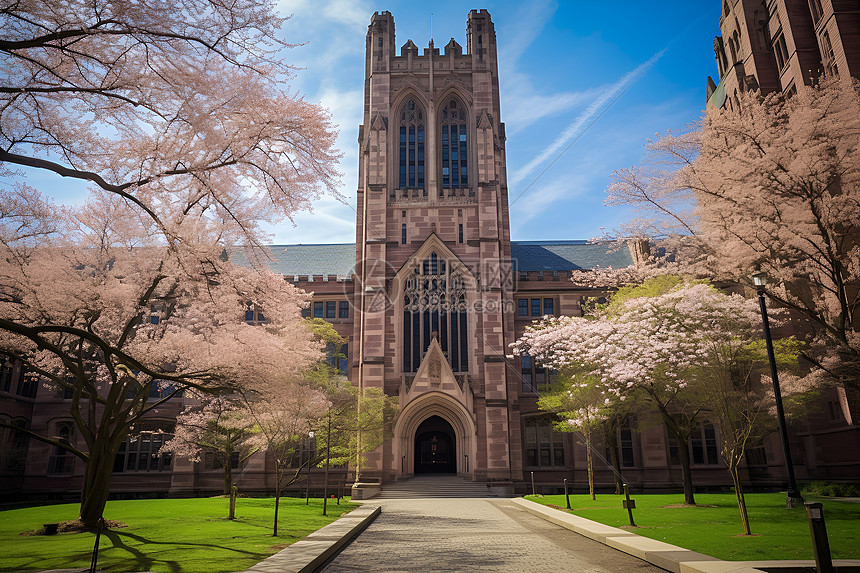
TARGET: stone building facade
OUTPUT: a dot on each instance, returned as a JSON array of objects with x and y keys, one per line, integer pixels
[
  {"x": 772, "y": 45},
  {"x": 432, "y": 293}
]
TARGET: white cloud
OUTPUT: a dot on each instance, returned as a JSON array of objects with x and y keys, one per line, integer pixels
[
  {"x": 586, "y": 118},
  {"x": 354, "y": 14},
  {"x": 524, "y": 29}
]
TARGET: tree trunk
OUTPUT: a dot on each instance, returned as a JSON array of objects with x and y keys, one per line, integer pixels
[
  {"x": 610, "y": 436},
  {"x": 228, "y": 465},
  {"x": 588, "y": 457},
  {"x": 95, "y": 487},
  {"x": 277, "y": 503},
  {"x": 228, "y": 476},
  {"x": 734, "y": 469},
  {"x": 327, "y": 459},
  {"x": 686, "y": 473},
  {"x": 278, "y": 471}
]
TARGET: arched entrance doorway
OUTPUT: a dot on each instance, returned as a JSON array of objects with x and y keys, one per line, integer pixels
[{"x": 435, "y": 447}]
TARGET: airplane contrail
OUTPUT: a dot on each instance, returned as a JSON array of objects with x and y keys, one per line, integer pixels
[{"x": 583, "y": 121}]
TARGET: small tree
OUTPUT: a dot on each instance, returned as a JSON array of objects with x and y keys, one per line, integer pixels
[
  {"x": 743, "y": 408},
  {"x": 360, "y": 423},
  {"x": 580, "y": 404},
  {"x": 284, "y": 420},
  {"x": 220, "y": 427}
]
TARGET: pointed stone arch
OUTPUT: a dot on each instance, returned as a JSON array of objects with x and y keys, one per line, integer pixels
[
  {"x": 455, "y": 125},
  {"x": 434, "y": 293},
  {"x": 421, "y": 408}
]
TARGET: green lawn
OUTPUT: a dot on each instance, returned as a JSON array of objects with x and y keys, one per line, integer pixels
[
  {"x": 778, "y": 533},
  {"x": 163, "y": 534}
]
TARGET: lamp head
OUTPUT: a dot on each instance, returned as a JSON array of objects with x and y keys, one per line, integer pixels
[{"x": 759, "y": 279}]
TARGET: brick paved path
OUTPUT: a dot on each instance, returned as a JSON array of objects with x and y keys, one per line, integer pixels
[{"x": 429, "y": 535}]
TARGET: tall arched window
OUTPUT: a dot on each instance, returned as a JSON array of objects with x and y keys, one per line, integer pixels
[
  {"x": 455, "y": 170},
  {"x": 434, "y": 304},
  {"x": 411, "y": 147}
]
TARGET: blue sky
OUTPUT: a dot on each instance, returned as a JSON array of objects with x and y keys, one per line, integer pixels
[
  {"x": 599, "y": 77},
  {"x": 595, "y": 78}
]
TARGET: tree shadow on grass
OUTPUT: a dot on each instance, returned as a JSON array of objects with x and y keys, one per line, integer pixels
[{"x": 144, "y": 562}]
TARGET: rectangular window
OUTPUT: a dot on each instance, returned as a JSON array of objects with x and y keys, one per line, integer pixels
[
  {"x": 403, "y": 233},
  {"x": 27, "y": 385},
  {"x": 343, "y": 360},
  {"x": 464, "y": 179},
  {"x": 142, "y": 453},
  {"x": 412, "y": 162},
  {"x": 318, "y": 310},
  {"x": 403, "y": 157},
  {"x": 780, "y": 50},
  {"x": 159, "y": 390},
  {"x": 827, "y": 56},
  {"x": 755, "y": 453},
  {"x": 526, "y": 369},
  {"x": 674, "y": 452},
  {"x": 711, "y": 444},
  {"x": 331, "y": 309},
  {"x": 523, "y": 306},
  {"x": 544, "y": 446},
  {"x": 446, "y": 178},
  {"x": 535, "y": 307},
  {"x": 421, "y": 157},
  {"x": 626, "y": 444},
  {"x": 343, "y": 309},
  {"x": 460, "y": 233},
  {"x": 703, "y": 445},
  {"x": 548, "y": 306},
  {"x": 6, "y": 370},
  {"x": 816, "y": 10}
]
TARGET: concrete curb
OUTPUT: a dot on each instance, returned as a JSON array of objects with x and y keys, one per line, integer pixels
[
  {"x": 310, "y": 553},
  {"x": 663, "y": 555}
]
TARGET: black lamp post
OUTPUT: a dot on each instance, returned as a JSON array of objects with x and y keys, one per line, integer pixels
[{"x": 793, "y": 495}]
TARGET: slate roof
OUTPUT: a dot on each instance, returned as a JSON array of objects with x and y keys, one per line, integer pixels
[
  {"x": 333, "y": 259},
  {"x": 339, "y": 259},
  {"x": 568, "y": 255}
]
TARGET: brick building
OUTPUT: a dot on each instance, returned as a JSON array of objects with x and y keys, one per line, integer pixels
[
  {"x": 772, "y": 45},
  {"x": 433, "y": 291}
]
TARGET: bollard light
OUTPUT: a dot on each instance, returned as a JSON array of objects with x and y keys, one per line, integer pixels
[
  {"x": 566, "y": 495},
  {"x": 629, "y": 504},
  {"x": 820, "y": 545}
]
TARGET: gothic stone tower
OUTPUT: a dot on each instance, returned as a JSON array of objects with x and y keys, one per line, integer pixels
[{"x": 433, "y": 280}]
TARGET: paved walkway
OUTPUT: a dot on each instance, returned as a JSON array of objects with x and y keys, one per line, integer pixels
[{"x": 474, "y": 535}]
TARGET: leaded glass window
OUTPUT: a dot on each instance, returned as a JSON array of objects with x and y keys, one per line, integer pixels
[
  {"x": 411, "y": 150},
  {"x": 434, "y": 305},
  {"x": 455, "y": 169}
]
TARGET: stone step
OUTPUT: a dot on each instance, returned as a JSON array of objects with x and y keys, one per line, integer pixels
[{"x": 433, "y": 487}]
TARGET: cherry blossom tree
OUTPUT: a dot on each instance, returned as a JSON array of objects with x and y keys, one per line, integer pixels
[
  {"x": 219, "y": 426},
  {"x": 180, "y": 117},
  {"x": 776, "y": 187},
  {"x": 98, "y": 305},
  {"x": 176, "y": 106},
  {"x": 653, "y": 347}
]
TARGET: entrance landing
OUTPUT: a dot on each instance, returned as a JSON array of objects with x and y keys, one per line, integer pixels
[{"x": 433, "y": 485}]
